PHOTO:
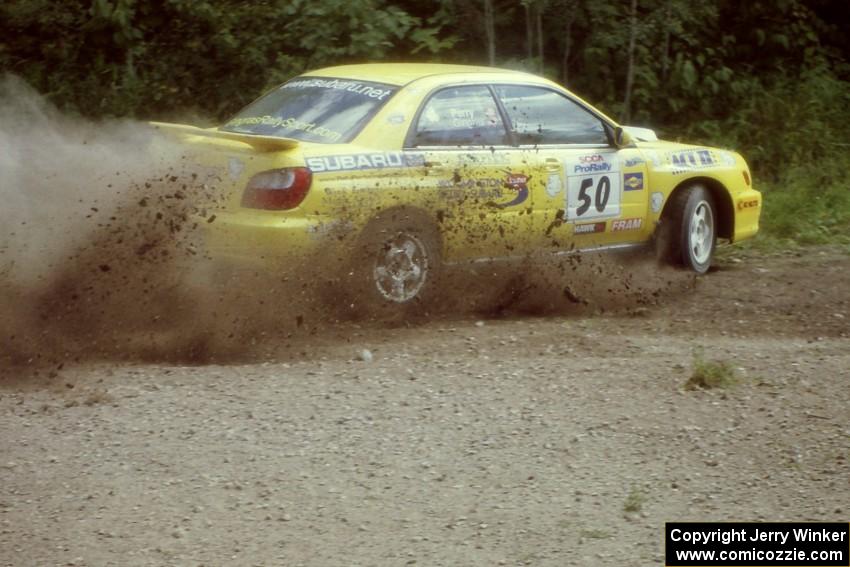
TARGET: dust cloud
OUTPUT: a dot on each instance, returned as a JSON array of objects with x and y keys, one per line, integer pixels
[
  {"x": 102, "y": 256},
  {"x": 95, "y": 231}
]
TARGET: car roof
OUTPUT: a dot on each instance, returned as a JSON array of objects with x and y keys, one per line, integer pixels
[{"x": 404, "y": 73}]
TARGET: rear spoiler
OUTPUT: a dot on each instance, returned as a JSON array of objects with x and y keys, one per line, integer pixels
[{"x": 259, "y": 143}]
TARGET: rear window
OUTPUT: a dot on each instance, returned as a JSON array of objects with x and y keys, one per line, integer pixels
[
  {"x": 313, "y": 109},
  {"x": 461, "y": 116}
]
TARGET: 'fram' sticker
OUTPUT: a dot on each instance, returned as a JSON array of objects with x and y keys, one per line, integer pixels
[{"x": 620, "y": 225}]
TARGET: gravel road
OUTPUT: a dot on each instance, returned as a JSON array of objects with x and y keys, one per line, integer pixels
[{"x": 561, "y": 439}]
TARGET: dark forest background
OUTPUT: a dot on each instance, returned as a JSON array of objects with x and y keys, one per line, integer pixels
[{"x": 768, "y": 78}]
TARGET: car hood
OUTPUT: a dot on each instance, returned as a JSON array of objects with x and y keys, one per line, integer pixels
[{"x": 678, "y": 158}]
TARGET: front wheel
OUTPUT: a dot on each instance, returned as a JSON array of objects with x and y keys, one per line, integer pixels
[{"x": 689, "y": 229}]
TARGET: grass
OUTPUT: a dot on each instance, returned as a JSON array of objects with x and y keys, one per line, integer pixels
[
  {"x": 634, "y": 501},
  {"x": 804, "y": 205},
  {"x": 800, "y": 211},
  {"x": 596, "y": 534},
  {"x": 791, "y": 133},
  {"x": 710, "y": 374},
  {"x": 807, "y": 204}
]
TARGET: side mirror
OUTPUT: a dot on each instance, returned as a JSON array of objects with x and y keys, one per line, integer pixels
[
  {"x": 641, "y": 134},
  {"x": 622, "y": 139}
]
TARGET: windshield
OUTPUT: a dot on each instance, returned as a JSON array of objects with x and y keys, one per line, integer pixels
[{"x": 313, "y": 109}]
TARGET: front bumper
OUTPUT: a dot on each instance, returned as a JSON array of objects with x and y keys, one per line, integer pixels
[{"x": 748, "y": 206}]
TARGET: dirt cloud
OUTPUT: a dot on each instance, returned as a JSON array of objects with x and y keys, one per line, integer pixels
[
  {"x": 101, "y": 249},
  {"x": 95, "y": 227}
]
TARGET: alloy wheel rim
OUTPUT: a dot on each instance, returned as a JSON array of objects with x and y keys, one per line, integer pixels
[
  {"x": 701, "y": 232},
  {"x": 401, "y": 268}
]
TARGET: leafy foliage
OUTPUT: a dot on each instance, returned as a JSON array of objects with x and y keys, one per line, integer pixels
[{"x": 163, "y": 57}]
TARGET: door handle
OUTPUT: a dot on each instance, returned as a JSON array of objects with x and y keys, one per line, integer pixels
[
  {"x": 553, "y": 165},
  {"x": 434, "y": 168}
]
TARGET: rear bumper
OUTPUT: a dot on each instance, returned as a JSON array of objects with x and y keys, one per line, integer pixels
[{"x": 260, "y": 239}]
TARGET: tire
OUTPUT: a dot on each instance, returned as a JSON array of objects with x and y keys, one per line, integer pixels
[
  {"x": 688, "y": 234},
  {"x": 396, "y": 267}
]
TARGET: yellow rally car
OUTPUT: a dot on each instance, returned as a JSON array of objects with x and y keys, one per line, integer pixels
[{"x": 398, "y": 169}]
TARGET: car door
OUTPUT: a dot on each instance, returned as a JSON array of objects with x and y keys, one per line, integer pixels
[
  {"x": 481, "y": 190},
  {"x": 594, "y": 194}
]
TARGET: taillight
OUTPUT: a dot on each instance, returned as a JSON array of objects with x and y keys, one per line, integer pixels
[{"x": 277, "y": 189}]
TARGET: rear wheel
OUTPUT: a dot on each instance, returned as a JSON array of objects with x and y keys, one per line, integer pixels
[
  {"x": 396, "y": 267},
  {"x": 401, "y": 267},
  {"x": 688, "y": 234}
]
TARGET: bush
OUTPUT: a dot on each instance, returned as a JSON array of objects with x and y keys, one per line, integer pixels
[
  {"x": 711, "y": 374},
  {"x": 792, "y": 133}
]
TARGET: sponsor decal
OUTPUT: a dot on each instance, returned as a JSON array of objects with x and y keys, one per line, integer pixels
[
  {"x": 748, "y": 204},
  {"x": 372, "y": 91},
  {"x": 488, "y": 158},
  {"x": 235, "y": 167},
  {"x": 589, "y": 228},
  {"x": 620, "y": 225},
  {"x": 633, "y": 162},
  {"x": 519, "y": 183},
  {"x": 592, "y": 168},
  {"x": 592, "y": 163},
  {"x": 553, "y": 184},
  {"x": 356, "y": 162},
  {"x": 470, "y": 182},
  {"x": 593, "y": 158},
  {"x": 692, "y": 159},
  {"x": 287, "y": 124},
  {"x": 462, "y": 118},
  {"x": 656, "y": 200},
  {"x": 633, "y": 181},
  {"x": 485, "y": 188},
  {"x": 331, "y": 229}
]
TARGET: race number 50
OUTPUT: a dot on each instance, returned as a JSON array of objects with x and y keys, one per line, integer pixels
[
  {"x": 603, "y": 194},
  {"x": 594, "y": 186},
  {"x": 593, "y": 196}
]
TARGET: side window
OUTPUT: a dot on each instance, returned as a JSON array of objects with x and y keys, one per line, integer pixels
[
  {"x": 542, "y": 116},
  {"x": 461, "y": 116}
]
